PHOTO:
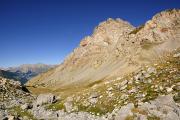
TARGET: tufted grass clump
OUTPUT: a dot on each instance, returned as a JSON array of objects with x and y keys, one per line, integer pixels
[
  {"x": 20, "y": 112},
  {"x": 56, "y": 106},
  {"x": 129, "y": 117},
  {"x": 153, "y": 118}
]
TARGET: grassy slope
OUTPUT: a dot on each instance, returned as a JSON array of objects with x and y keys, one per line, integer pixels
[{"x": 168, "y": 74}]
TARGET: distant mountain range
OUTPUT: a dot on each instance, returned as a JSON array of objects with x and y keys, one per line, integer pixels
[
  {"x": 24, "y": 72},
  {"x": 9, "y": 75}
]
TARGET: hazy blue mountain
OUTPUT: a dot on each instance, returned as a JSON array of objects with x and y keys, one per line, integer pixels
[{"x": 24, "y": 72}]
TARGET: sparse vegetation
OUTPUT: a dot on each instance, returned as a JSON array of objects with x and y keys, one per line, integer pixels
[
  {"x": 17, "y": 111},
  {"x": 56, "y": 106},
  {"x": 149, "y": 90},
  {"x": 136, "y": 30},
  {"x": 95, "y": 83},
  {"x": 129, "y": 117},
  {"x": 137, "y": 110},
  {"x": 153, "y": 118}
]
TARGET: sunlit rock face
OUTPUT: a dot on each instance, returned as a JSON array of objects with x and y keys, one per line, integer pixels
[{"x": 115, "y": 48}]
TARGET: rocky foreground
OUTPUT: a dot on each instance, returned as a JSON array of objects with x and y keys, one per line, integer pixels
[{"x": 151, "y": 93}]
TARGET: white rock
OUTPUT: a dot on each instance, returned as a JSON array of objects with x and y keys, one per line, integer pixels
[
  {"x": 169, "y": 89},
  {"x": 123, "y": 87},
  {"x": 124, "y": 96},
  {"x": 93, "y": 100},
  {"x": 160, "y": 88},
  {"x": 176, "y": 55},
  {"x": 124, "y": 112},
  {"x": 110, "y": 89},
  {"x": 25, "y": 106},
  {"x": 138, "y": 77},
  {"x": 123, "y": 83},
  {"x": 45, "y": 98},
  {"x": 172, "y": 116},
  {"x": 132, "y": 90},
  {"x": 151, "y": 70},
  {"x": 68, "y": 106},
  {"x": 11, "y": 117},
  {"x": 141, "y": 117}
]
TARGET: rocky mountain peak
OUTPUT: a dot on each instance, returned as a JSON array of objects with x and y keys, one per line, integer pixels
[
  {"x": 167, "y": 14},
  {"x": 107, "y": 32},
  {"x": 116, "y": 48},
  {"x": 164, "y": 20},
  {"x": 163, "y": 28},
  {"x": 111, "y": 24},
  {"x": 110, "y": 30}
]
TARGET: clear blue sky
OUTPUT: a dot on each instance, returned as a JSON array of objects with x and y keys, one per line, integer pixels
[{"x": 45, "y": 31}]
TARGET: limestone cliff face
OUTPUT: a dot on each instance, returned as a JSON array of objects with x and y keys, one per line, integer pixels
[{"x": 114, "y": 49}]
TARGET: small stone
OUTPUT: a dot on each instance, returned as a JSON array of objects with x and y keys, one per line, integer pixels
[
  {"x": 139, "y": 77},
  {"x": 149, "y": 81},
  {"x": 68, "y": 106},
  {"x": 123, "y": 87},
  {"x": 26, "y": 106},
  {"x": 123, "y": 83},
  {"x": 132, "y": 90},
  {"x": 130, "y": 82},
  {"x": 10, "y": 117},
  {"x": 93, "y": 100},
  {"x": 169, "y": 90},
  {"x": 110, "y": 89},
  {"x": 160, "y": 88},
  {"x": 94, "y": 95},
  {"x": 176, "y": 55},
  {"x": 156, "y": 86},
  {"x": 151, "y": 70},
  {"x": 123, "y": 97}
]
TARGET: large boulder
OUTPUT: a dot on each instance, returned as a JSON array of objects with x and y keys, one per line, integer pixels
[
  {"x": 163, "y": 107},
  {"x": 43, "y": 114},
  {"x": 69, "y": 104},
  {"x": 45, "y": 99},
  {"x": 124, "y": 112}
]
